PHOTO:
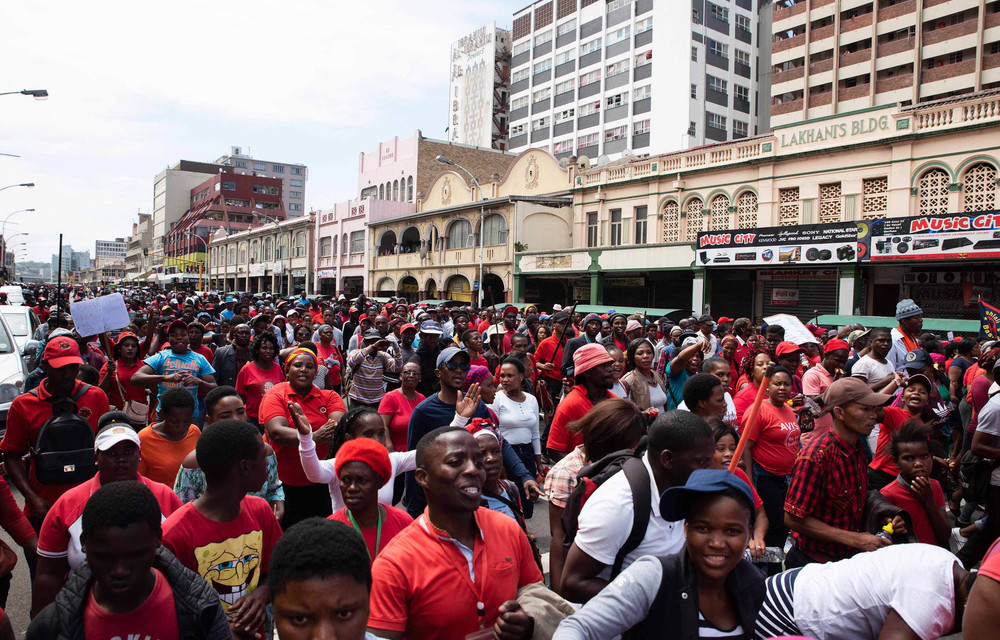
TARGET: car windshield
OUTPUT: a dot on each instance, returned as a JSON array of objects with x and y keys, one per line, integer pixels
[
  {"x": 17, "y": 319},
  {"x": 6, "y": 341}
]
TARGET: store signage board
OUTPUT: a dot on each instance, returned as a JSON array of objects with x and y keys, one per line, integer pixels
[
  {"x": 941, "y": 237},
  {"x": 807, "y": 245},
  {"x": 784, "y": 297}
]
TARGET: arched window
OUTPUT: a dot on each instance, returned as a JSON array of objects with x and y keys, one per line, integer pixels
[
  {"x": 268, "y": 245},
  {"x": 459, "y": 234},
  {"x": 243, "y": 253},
  {"x": 695, "y": 221},
  {"x": 254, "y": 251},
  {"x": 395, "y": 189},
  {"x": 719, "y": 218},
  {"x": 410, "y": 240},
  {"x": 409, "y": 189},
  {"x": 343, "y": 245},
  {"x": 933, "y": 192},
  {"x": 232, "y": 254},
  {"x": 494, "y": 230},
  {"x": 671, "y": 221},
  {"x": 381, "y": 192},
  {"x": 980, "y": 188},
  {"x": 300, "y": 244},
  {"x": 746, "y": 210}
]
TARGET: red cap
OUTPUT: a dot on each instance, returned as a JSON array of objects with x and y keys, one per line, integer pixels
[
  {"x": 126, "y": 334},
  {"x": 366, "y": 450},
  {"x": 725, "y": 319},
  {"x": 835, "y": 345},
  {"x": 408, "y": 325},
  {"x": 786, "y": 347},
  {"x": 176, "y": 323},
  {"x": 62, "y": 351}
]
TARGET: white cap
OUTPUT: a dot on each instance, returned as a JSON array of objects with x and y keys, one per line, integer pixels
[
  {"x": 113, "y": 434},
  {"x": 557, "y": 307}
]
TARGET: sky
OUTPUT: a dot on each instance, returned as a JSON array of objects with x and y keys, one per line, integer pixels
[{"x": 137, "y": 86}]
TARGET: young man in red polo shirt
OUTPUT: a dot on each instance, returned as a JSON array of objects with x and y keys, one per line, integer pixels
[
  {"x": 592, "y": 372},
  {"x": 61, "y": 363},
  {"x": 472, "y": 560}
]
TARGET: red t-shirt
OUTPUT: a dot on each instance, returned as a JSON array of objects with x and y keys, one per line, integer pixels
[
  {"x": 60, "y": 534},
  {"x": 396, "y": 405},
  {"x": 318, "y": 405},
  {"x": 991, "y": 562},
  {"x": 155, "y": 618},
  {"x": 574, "y": 406},
  {"x": 252, "y": 383},
  {"x": 546, "y": 352},
  {"x": 903, "y": 498},
  {"x": 776, "y": 441},
  {"x": 435, "y": 597},
  {"x": 124, "y": 373},
  {"x": 757, "y": 502},
  {"x": 336, "y": 375},
  {"x": 743, "y": 400},
  {"x": 894, "y": 419},
  {"x": 25, "y": 418},
  {"x": 394, "y": 521},
  {"x": 230, "y": 556}
]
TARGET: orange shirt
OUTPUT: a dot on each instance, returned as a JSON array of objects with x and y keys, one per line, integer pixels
[
  {"x": 435, "y": 597},
  {"x": 318, "y": 404},
  {"x": 161, "y": 458}
]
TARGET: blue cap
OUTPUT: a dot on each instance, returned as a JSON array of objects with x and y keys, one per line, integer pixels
[
  {"x": 672, "y": 502},
  {"x": 230, "y": 299},
  {"x": 431, "y": 327},
  {"x": 449, "y": 353}
]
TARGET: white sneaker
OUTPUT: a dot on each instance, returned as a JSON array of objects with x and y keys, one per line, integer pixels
[{"x": 957, "y": 539}]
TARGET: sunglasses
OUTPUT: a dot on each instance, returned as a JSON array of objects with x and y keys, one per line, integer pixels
[{"x": 457, "y": 366}]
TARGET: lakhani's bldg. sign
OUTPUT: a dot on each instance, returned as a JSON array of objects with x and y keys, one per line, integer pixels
[{"x": 863, "y": 127}]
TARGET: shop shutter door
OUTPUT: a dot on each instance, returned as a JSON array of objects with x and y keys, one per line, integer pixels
[
  {"x": 814, "y": 295},
  {"x": 732, "y": 294}
]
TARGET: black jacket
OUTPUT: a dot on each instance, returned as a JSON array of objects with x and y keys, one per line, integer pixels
[
  {"x": 225, "y": 367},
  {"x": 199, "y": 612},
  {"x": 674, "y": 613},
  {"x": 571, "y": 346}
]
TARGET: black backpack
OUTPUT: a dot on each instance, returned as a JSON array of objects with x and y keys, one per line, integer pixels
[
  {"x": 593, "y": 476},
  {"x": 64, "y": 450}
]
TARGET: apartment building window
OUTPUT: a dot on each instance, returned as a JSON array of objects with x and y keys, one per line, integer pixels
[
  {"x": 592, "y": 229},
  {"x": 590, "y": 108},
  {"x": 268, "y": 206},
  {"x": 589, "y": 140},
  {"x": 742, "y": 93},
  {"x": 541, "y": 94},
  {"x": 640, "y": 225},
  {"x": 590, "y": 47},
  {"x": 829, "y": 202},
  {"x": 618, "y": 35},
  {"x": 567, "y": 27},
  {"x": 616, "y": 100},
  {"x": 644, "y": 25},
  {"x": 694, "y": 54},
  {"x": 788, "y": 206},
  {"x": 295, "y": 194},
  {"x": 260, "y": 166},
  {"x": 540, "y": 123},
  {"x": 739, "y": 128},
  {"x": 240, "y": 164},
  {"x": 743, "y": 57},
  {"x": 518, "y": 103},
  {"x": 543, "y": 66},
  {"x": 718, "y": 84},
  {"x": 229, "y": 186},
  {"x": 644, "y": 58},
  {"x": 614, "y": 69},
  {"x": 875, "y": 197},
  {"x": 566, "y": 86},
  {"x": 565, "y": 115},
  {"x": 326, "y": 247},
  {"x": 357, "y": 241},
  {"x": 616, "y": 227},
  {"x": 521, "y": 47},
  {"x": 694, "y": 91},
  {"x": 716, "y": 121},
  {"x": 640, "y": 127},
  {"x": 517, "y": 129},
  {"x": 719, "y": 13},
  {"x": 719, "y": 49},
  {"x": 641, "y": 93},
  {"x": 563, "y": 146},
  {"x": 278, "y": 168},
  {"x": 566, "y": 56},
  {"x": 695, "y": 16},
  {"x": 742, "y": 22},
  {"x": 295, "y": 183},
  {"x": 520, "y": 74},
  {"x": 616, "y": 133},
  {"x": 295, "y": 171},
  {"x": 590, "y": 78},
  {"x": 617, "y": 4},
  {"x": 294, "y": 206},
  {"x": 692, "y": 128},
  {"x": 542, "y": 38}
]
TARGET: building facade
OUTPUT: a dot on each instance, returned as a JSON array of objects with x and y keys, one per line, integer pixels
[
  {"x": 293, "y": 177},
  {"x": 584, "y": 82},
  {"x": 137, "y": 259},
  {"x": 834, "y": 57},
  {"x": 829, "y": 216},
  {"x": 111, "y": 249},
  {"x": 478, "y": 88},
  {"x": 275, "y": 258}
]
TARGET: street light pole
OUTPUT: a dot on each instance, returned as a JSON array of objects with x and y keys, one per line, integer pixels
[
  {"x": 3, "y": 229},
  {"x": 23, "y": 184},
  {"x": 482, "y": 216},
  {"x": 37, "y": 94}
]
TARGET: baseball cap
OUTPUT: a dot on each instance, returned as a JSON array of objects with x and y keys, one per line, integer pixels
[
  {"x": 509, "y": 308},
  {"x": 847, "y": 390},
  {"x": 560, "y": 316},
  {"x": 175, "y": 324},
  {"x": 725, "y": 319},
  {"x": 431, "y": 327},
  {"x": 919, "y": 377},
  {"x": 113, "y": 434},
  {"x": 857, "y": 333},
  {"x": 372, "y": 334},
  {"x": 705, "y": 318},
  {"x": 835, "y": 345},
  {"x": 408, "y": 325},
  {"x": 917, "y": 359},
  {"x": 674, "y": 500},
  {"x": 448, "y": 354},
  {"x": 786, "y": 347},
  {"x": 62, "y": 351}
]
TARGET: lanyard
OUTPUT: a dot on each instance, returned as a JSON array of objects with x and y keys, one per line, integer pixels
[
  {"x": 378, "y": 536},
  {"x": 481, "y": 595}
]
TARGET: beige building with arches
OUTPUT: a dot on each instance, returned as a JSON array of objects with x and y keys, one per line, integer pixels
[{"x": 436, "y": 252}]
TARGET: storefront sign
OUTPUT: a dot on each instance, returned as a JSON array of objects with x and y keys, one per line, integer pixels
[
  {"x": 942, "y": 237},
  {"x": 797, "y": 274},
  {"x": 581, "y": 293},
  {"x": 785, "y": 297},
  {"x": 278, "y": 267},
  {"x": 256, "y": 270},
  {"x": 298, "y": 273},
  {"x": 805, "y": 245},
  {"x": 324, "y": 274},
  {"x": 827, "y": 133},
  {"x": 625, "y": 282}
]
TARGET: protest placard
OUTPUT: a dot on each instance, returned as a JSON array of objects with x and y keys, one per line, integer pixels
[{"x": 97, "y": 315}]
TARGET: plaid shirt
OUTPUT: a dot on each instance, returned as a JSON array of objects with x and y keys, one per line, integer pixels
[
  {"x": 829, "y": 483},
  {"x": 561, "y": 478}
]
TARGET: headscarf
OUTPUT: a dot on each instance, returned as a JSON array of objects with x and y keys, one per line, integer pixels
[
  {"x": 301, "y": 351},
  {"x": 729, "y": 338},
  {"x": 477, "y": 373},
  {"x": 371, "y": 452},
  {"x": 478, "y": 425}
]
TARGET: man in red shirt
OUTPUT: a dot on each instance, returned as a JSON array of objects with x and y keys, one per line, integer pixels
[
  {"x": 61, "y": 363},
  {"x": 592, "y": 372},
  {"x": 549, "y": 355},
  {"x": 472, "y": 563}
]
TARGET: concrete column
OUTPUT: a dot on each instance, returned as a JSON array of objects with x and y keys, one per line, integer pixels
[
  {"x": 846, "y": 290},
  {"x": 698, "y": 292}
]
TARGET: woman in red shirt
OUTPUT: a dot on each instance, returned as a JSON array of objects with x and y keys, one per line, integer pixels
[
  {"x": 397, "y": 406},
  {"x": 749, "y": 382},
  {"x": 330, "y": 355},
  {"x": 728, "y": 352},
  {"x": 116, "y": 379},
  {"x": 771, "y": 450},
  {"x": 258, "y": 376}
]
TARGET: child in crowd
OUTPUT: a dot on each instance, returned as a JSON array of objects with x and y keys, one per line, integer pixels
[
  {"x": 913, "y": 489},
  {"x": 165, "y": 444}
]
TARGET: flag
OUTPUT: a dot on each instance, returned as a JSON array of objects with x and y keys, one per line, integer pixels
[{"x": 989, "y": 321}]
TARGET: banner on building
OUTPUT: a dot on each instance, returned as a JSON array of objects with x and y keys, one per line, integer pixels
[
  {"x": 939, "y": 237},
  {"x": 802, "y": 245},
  {"x": 785, "y": 297},
  {"x": 989, "y": 321}
]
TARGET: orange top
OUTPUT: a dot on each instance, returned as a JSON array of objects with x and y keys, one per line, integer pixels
[{"x": 161, "y": 458}]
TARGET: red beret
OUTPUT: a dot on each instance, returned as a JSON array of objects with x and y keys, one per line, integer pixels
[{"x": 371, "y": 452}]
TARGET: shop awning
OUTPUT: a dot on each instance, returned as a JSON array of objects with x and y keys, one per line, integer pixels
[
  {"x": 649, "y": 312},
  {"x": 930, "y": 324}
]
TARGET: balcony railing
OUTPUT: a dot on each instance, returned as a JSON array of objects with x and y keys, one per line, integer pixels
[
  {"x": 895, "y": 83},
  {"x": 896, "y": 10},
  {"x": 786, "y": 107},
  {"x": 821, "y": 99},
  {"x": 855, "y": 57},
  {"x": 783, "y": 13},
  {"x": 857, "y": 91},
  {"x": 788, "y": 43},
  {"x": 894, "y": 47},
  {"x": 821, "y": 66},
  {"x": 946, "y": 71},
  {"x": 856, "y": 23},
  {"x": 949, "y": 32},
  {"x": 788, "y": 74}
]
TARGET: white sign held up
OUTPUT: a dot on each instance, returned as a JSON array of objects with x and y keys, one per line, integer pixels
[
  {"x": 795, "y": 331},
  {"x": 95, "y": 316}
]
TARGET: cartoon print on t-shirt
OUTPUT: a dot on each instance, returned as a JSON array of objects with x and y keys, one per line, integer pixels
[{"x": 231, "y": 566}]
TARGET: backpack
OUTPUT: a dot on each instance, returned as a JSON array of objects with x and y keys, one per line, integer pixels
[
  {"x": 593, "y": 476},
  {"x": 63, "y": 452}
]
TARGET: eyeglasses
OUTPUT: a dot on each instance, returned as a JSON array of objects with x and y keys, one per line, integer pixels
[
  {"x": 414, "y": 374},
  {"x": 457, "y": 366}
]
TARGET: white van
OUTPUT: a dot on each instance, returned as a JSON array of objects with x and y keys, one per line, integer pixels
[{"x": 15, "y": 294}]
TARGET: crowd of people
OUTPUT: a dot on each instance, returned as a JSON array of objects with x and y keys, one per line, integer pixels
[{"x": 259, "y": 467}]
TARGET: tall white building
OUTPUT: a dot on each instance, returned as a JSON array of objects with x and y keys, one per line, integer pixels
[
  {"x": 477, "y": 89},
  {"x": 293, "y": 177},
  {"x": 584, "y": 81},
  {"x": 113, "y": 249}
]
